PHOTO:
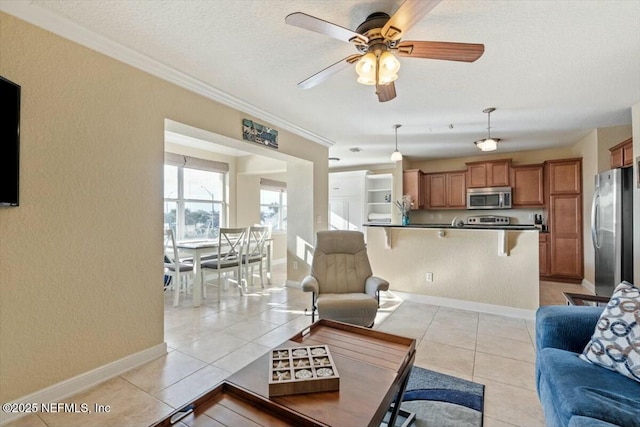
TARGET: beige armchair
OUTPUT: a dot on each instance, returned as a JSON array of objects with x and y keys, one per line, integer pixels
[{"x": 341, "y": 280}]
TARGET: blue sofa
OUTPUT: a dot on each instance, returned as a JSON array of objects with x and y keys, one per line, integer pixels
[{"x": 574, "y": 392}]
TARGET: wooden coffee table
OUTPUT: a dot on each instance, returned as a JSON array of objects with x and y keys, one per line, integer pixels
[{"x": 374, "y": 368}]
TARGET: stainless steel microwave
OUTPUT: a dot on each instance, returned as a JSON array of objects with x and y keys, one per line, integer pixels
[{"x": 489, "y": 198}]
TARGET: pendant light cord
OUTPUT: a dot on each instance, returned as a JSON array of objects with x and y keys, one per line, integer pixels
[{"x": 396, "y": 128}]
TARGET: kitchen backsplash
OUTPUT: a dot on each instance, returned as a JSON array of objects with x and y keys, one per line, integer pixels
[{"x": 518, "y": 216}]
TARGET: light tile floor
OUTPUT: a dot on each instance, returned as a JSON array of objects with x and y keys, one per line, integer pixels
[{"x": 208, "y": 343}]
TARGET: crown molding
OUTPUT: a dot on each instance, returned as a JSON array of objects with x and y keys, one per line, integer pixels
[{"x": 68, "y": 29}]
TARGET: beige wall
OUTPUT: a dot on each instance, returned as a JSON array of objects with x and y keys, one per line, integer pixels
[
  {"x": 587, "y": 148},
  {"x": 248, "y": 200},
  {"x": 465, "y": 264},
  {"x": 607, "y": 138},
  {"x": 248, "y": 203},
  {"x": 301, "y": 233},
  {"x": 80, "y": 268}
]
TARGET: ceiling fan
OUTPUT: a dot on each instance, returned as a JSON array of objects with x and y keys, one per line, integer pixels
[{"x": 377, "y": 39}]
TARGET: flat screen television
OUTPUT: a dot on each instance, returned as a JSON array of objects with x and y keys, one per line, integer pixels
[{"x": 9, "y": 142}]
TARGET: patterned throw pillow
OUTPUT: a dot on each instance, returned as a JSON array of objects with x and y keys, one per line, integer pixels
[{"x": 615, "y": 344}]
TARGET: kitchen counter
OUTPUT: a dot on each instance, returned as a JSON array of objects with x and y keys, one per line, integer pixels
[
  {"x": 483, "y": 268},
  {"x": 514, "y": 227}
]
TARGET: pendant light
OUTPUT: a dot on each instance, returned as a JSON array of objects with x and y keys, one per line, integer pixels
[
  {"x": 396, "y": 156},
  {"x": 488, "y": 144}
]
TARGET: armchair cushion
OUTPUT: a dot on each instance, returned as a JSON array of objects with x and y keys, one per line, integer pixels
[
  {"x": 356, "y": 309},
  {"x": 572, "y": 387}
]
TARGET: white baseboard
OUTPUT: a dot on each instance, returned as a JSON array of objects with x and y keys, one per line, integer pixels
[
  {"x": 589, "y": 286},
  {"x": 500, "y": 310},
  {"x": 293, "y": 284},
  {"x": 64, "y": 389}
]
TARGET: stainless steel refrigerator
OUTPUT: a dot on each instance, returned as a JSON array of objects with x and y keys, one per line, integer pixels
[{"x": 612, "y": 229}]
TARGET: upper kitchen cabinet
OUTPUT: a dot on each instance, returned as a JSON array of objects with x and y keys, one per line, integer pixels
[
  {"x": 564, "y": 176},
  {"x": 412, "y": 184},
  {"x": 528, "y": 185},
  {"x": 492, "y": 173},
  {"x": 446, "y": 190},
  {"x": 622, "y": 154}
]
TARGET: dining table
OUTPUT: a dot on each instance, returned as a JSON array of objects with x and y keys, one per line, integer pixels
[{"x": 199, "y": 248}]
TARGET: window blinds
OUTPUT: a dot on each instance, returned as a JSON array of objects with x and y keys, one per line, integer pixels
[
  {"x": 270, "y": 184},
  {"x": 173, "y": 159}
]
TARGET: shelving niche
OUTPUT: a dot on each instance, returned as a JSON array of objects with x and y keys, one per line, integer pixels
[{"x": 379, "y": 198}]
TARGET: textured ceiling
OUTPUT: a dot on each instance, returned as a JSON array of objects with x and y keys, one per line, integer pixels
[{"x": 553, "y": 70}]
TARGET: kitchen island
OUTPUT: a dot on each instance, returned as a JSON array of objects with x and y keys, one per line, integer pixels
[{"x": 484, "y": 268}]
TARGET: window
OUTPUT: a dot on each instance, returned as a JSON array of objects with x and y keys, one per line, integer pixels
[
  {"x": 194, "y": 197},
  {"x": 273, "y": 204}
]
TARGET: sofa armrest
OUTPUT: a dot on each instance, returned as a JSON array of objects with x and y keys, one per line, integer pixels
[
  {"x": 565, "y": 327},
  {"x": 310, "y": 284},
  {"x": 375, "y": 284}
]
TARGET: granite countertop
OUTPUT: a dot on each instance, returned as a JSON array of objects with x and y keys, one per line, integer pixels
[{"x": 515, "y": 227}]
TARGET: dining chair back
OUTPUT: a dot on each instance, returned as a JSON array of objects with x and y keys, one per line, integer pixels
[
  {"x": 173, "y": 267},
  {"x": 255, "y": 252},
  {"x": 231, "y": 243}
]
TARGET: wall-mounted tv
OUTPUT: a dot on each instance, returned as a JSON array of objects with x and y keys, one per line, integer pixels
[{"x": 9, "y": 142}]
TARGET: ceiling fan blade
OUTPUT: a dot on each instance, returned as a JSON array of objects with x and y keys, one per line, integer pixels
[
  {"x": 308, "y": 22},
  {"x": 386, "y": 92},
  {"x": 464, "y": 52},
  {"x": 410, "y": 12},
  {"x": 329, "y": 71}
]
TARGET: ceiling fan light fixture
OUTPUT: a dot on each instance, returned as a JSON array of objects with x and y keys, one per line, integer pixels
[
  {"x": 389, "y": 66},
  {"x": 366, "y": 69},
  {"x": 488, "y": 144}
]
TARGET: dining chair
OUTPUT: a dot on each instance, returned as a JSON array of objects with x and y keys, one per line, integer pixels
[
  {"x": 255, "y": 253},
  {"x": 231, "y": 243},
  {"x": 179, "y": 271}
]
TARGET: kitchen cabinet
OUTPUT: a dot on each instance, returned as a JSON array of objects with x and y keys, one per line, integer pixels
[
  {"x": 622, "y": 154},
  {"x": 564, "y": 176},
  {"x": 446, "y": 190},
  {"x": 564, "y": 184},
  {"x": 412, "y": 184},
  {"x": 492, "y": 173},
  {"x": 543, "y": 248},
  {"x": 528, "y": 185}
]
